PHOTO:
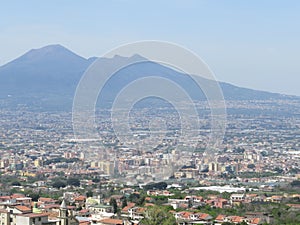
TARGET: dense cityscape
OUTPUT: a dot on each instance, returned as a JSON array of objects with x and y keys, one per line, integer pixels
[{"x": 48, "y": 177}]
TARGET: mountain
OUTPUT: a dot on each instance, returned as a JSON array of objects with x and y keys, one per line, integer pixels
[
  {"x": 52, "y": 65},
  {"x": 47, "y": 78}
]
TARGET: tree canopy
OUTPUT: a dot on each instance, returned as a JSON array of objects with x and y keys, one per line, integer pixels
[{"x": 158, "y": 216}]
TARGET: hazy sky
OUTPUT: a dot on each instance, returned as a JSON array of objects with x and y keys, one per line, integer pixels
[{"x": 254, "y": 43}]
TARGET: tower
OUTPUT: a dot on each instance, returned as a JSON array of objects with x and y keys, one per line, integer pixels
[
  {"x": 63, "y": 213},
  {"x": 66, "y": 216}
]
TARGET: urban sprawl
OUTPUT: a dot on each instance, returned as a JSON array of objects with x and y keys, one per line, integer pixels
[{"x": 50, "y": 177}]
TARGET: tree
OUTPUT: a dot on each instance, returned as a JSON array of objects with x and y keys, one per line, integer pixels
[
  {"x": 89, "y": 194},
  {"x": 296, "y": 183},
  {"x": 227, "y": 223},
  {"x": 34, "y": 196},
  {"x": 141, "y": 200},
  {"x": 156, "y": 186},
  {"x": 251, "y": 166},
  {"x": 114, "y": 204},
  {"x": 243, "y": 223},
  {"x": 73, "y": 182},
  {"x": 124, "y": 203},
  {"x": 158, "y": 216},
  {"x": 134, "y": 197},
  {"x": 15, "y": 183},
  {"x": 226, "y": 195},
  {"x": 59, "y": 184}
]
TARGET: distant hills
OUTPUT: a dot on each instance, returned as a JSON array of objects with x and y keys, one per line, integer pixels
[{"x": 47, "y": 78}]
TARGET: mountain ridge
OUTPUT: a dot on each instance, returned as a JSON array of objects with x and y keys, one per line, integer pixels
[{"x": 53, "y": 72}]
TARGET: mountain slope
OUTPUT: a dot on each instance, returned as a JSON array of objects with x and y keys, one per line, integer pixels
[
  {"x": 47, "y": 78},
  {"x": 49, "y": 66}
]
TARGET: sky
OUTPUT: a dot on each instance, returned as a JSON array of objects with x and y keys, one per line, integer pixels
[{"x": 250, "y": 43}]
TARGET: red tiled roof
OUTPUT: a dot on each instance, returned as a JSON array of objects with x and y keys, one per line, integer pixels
[
  {"x": 140, "y": 210},
  {"x": 84, "y": 223},
  {"x": 220, "y": 217},
  {"x": 129, "y": 206},
  {"x": 23, "y": 208},
  {"x": 204, "y": 216},
  {"x": 5, "y": 197},
  {"x": 80, "y": 198},
  {"x": 17, "y": 196},
  {"x": 33, "y": 215},
  {"x": 56, "y": 206},
  {"x": 255, "y": 221},
  {"x": 111, "y": 221},
  {"x": 294, "y": 205},
  {"x": 149, "y": 204},
  {"x": 237, "y": 219},
  {"x": 41, "y": 199},
  {"x": 186, "y": 214}
]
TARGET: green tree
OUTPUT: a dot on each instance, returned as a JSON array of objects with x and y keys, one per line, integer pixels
[
  {"x": 114, "y": 204},
  {"x": 15, "y": 183},
  {"x": 73, "y": 182},
  {"x": 243, "y": 223},
  {"x": 58, "y": 184},
  {"x": 89, "y": 194},
  {"x": 124, "y": 203},
  {"x": 158, "y": 216},
  {"x": 34, "y": 196},
  {"x": 156, "y": 186},
  {"x": 227, "y": 223}
]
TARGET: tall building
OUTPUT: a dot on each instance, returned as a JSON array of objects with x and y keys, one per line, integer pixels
[{"x": 66, "y": 216}]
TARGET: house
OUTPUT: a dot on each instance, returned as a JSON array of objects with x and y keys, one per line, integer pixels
[
  {"x": 32, "y": 219},
  {"x": 22, "y": 215},
  {"x": 276, "y": 198},
  {"x": 237, "y": 199},
  {"x": 136, "y": 213},
  {"x": 100, "y": 209},
  {"x": 263, "y": 217},
  {"x": 125, "y": 210},
  {"x": 5, "y": 199},
  {"x": 21, "y": 209},
  {"x": 219, "y": 219},
  {"x": 110, "y": 222},
  {"x": 127, "y": 191},
  {"x": 24, "y": 201},
  {"x": 118, "y": 198},
  {"x": 197, "y": 199},
  {"x": 186, "y": 218},
  {"x": 200, "y": 217},
  {"x": 235, "y": 219},
  {"x": 182, "y": 215},
  {"x": 4, "y": 217},
  {"x": 254, "y": 221},
  {"x": 80, "y": 201},
  {"x": 294, "y": 207},
  {"x": 46, "y": 201},
  {"x": 221, "y": 203},
  {"x": 84, "y": 213}
]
